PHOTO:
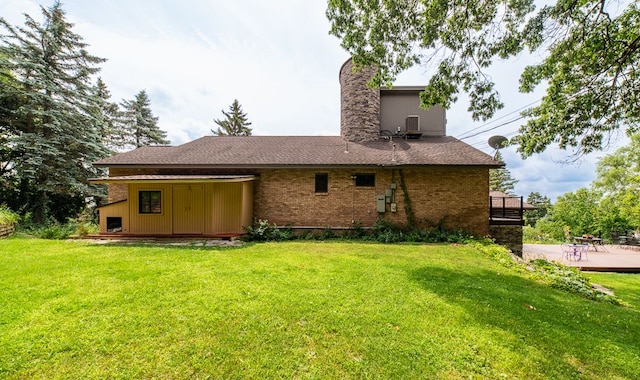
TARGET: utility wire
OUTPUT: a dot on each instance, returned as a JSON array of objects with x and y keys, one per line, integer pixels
[
  {"x": 484, "y": 142},
  {"x": 461, "y": 136},
  {"x": 492, "y": 128},
  {"x": 570, "y": 97}
]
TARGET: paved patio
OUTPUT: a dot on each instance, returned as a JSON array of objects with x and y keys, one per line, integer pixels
[{"x": 607, "y": 258}]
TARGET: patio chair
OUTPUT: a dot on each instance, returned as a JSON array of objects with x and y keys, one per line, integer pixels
[
  {"x": 575, "y": 252},
  {"x": 629, "y": 241}
]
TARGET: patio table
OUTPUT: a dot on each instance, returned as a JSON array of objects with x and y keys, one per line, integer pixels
[{"x": 594, "y": 241}]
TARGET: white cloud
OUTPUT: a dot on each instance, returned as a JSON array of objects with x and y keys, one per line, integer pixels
[{"x": 194, "y": 57}]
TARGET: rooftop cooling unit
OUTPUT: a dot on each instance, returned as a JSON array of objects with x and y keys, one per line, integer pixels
[
  {"x": 412, "y": 123},
  {"x": 412, "y": 127}
]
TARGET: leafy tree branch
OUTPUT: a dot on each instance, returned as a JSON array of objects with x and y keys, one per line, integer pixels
[{"x": 590, "y": 52}]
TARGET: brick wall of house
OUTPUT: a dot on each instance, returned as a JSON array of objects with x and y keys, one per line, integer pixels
[
  {"x": 118, "y": 191},
  {"x": 458, "y": 197},
  {"x": 287, "y": 196},
  {"x": 455, "y": 196}
]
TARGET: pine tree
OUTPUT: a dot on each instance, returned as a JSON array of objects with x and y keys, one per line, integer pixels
[
  {"x": 9, "y": 125},
  {"x": 501, "y": 179},
  {"x": 235, "y": 123},
  {"x": 54, "y": 140},
  {"x": 543, "y": 205},
  {"x": 141, "y": 127},
  {"x": 107, "y": 117}
]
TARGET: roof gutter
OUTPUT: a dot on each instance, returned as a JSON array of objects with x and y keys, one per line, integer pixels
[
  {"x": 497, "y": 164},
  {"x": 172, "y": 179}
]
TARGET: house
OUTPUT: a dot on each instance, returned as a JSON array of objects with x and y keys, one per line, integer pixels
[{"x": 392, "y": 160}]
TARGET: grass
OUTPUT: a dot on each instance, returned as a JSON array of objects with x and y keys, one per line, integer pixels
[
  {"x": 625, "y": 285},
  {"x": 300, "y": 310}
]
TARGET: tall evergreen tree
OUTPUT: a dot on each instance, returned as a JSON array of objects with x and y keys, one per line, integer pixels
[
  {"x": 235, "y": 122},
  {"x": 54, "y": 140},
  {"x": 501, "y": 179},
  {"x": 107, "y": 117},
  {"x": 9, "y": 125},
  {"x": 141, "y": 127},
  {"x": 543, "y": 205}
]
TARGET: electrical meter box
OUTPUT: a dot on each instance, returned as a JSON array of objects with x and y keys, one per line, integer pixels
[{"x": 380, "y": 203}]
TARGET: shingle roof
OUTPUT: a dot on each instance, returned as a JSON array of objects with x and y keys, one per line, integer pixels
[{"x": 282, "y": 151}]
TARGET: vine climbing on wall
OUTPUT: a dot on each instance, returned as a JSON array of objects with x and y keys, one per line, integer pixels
[{"x": 408, "y": 208}]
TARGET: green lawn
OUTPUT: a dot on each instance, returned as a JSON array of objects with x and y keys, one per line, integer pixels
[
  {"x": 297, "y": 310},
  {"x": 625, "y": 285}
]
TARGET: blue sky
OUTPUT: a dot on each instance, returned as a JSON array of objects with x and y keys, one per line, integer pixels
[{"x": 194, "y": 57}]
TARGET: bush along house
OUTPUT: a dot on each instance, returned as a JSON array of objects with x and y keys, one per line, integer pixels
[{"x": 392, "y": 160}]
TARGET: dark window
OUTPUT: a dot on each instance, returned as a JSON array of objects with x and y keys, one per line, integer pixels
[
  {"x": 114, "y": 224},
  {"x": 365, "y": 180},
  {"x": 150, "y": 202},
  {"x": 322, "y": 183}
]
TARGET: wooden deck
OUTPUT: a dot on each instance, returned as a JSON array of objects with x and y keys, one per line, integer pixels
[{"x": 609, "y": 258}]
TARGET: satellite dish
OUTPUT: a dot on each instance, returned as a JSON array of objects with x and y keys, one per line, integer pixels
[{"x": 498, "y": 142}]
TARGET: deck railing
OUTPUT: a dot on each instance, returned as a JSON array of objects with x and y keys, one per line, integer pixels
[{"x": 506, "y": 209}]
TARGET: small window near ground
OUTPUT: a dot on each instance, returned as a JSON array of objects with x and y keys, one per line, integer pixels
[
  {"x": 114, "y": 224},
  {"x": 365, "y": 180},
  {"x": 322, "y": 183},
  {"x": 150, "y": 202}
]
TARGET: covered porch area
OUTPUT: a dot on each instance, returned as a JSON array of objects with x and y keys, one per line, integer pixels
[{"x": 178, "y": 205}]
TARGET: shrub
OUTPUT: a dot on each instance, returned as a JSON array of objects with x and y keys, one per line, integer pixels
[
  {"x": 386, "y": 232},
  {"x": 8, "y": 217},
  {"x": 499, "y": 254},
  {"x": 356, "y": 232},
  {"x": 550, "y": 228},
  {"x": 83, "y": 224},
  {"x": 554, "y": 274},
  {"x": 54, "y": 231},
  {"x": 535, "y": 235},
  {"x": 85, "y": 228},
  {"x": 570, "y": 279},
  {"x": 307, "y": 235},
  {"x": 382, "y": 231},
  {"x": 328, "y": 234},
  {"x": 262, "y": 230}
]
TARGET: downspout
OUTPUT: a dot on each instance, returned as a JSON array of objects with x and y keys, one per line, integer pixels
[{"x": 353, "y": 198}]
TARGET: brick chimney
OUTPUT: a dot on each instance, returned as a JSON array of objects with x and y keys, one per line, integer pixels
[{"x": 359, "y": 105}]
